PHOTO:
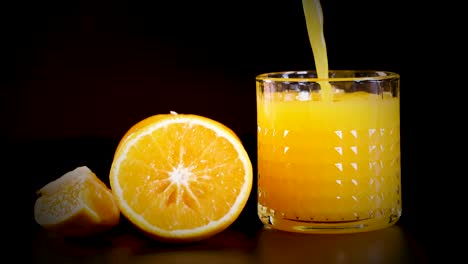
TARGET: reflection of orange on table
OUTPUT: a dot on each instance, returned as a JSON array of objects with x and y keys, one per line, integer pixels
[{"x": 329, "y": 161}]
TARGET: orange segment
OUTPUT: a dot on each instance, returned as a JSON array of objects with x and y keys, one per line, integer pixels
[
  {"x": 181, "y": 177},
  {"x": 76, "y": 204}
]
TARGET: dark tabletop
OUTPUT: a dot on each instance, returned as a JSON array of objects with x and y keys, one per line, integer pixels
[{"x": 237, "y": 244}]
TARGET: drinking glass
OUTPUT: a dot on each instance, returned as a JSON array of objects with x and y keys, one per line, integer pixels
[{"x": 328, "y": 165}]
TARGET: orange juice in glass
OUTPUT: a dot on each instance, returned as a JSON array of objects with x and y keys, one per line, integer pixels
[{"x": 329, "y": 164}]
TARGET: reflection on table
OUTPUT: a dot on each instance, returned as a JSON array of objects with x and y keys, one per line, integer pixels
[
  {"x": 383, "y": 246},
  {"x": 125, "y": 245}
]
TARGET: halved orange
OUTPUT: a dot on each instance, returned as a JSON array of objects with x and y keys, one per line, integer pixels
[
  {"x": 76, "y": 204},
  {"x": 181, "y": 177}
]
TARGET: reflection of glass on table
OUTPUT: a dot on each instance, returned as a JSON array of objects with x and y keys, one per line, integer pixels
[{"x": 383, "y": 246}]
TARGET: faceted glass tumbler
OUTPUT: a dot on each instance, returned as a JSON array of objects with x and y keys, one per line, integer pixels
[{"x": 328, "y": 164}]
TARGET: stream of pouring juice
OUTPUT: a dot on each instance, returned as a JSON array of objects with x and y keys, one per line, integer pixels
[
  {"x": 327, "y": 164},
  {"x": 314, "y": 21}
]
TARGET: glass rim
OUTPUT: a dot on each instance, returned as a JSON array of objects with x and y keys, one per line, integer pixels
[{"x": 383, "y": 75}]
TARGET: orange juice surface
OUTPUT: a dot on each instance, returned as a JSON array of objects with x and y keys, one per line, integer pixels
[{"x": 329, "y": 160}]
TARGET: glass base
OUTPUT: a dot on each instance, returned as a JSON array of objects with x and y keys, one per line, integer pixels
[{"x": 328, "y": 227}]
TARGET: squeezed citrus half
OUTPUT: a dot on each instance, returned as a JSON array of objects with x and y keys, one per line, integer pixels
[
  {"x": 76, "y": 204},
  {"x": 181, "y": 177}
]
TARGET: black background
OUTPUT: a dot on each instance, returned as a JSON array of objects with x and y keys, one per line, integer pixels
[
  {"x": 92, "y": 68},
  {"x": 86, "y": 71}
]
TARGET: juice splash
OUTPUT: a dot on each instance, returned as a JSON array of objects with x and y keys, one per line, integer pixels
[{"x": 314, "y": 21}]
